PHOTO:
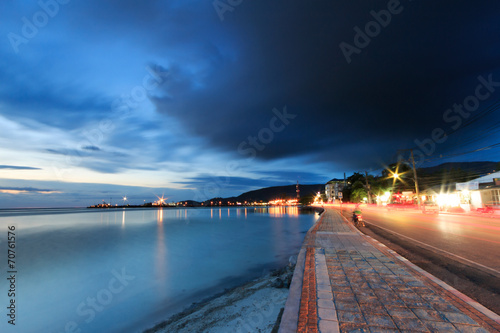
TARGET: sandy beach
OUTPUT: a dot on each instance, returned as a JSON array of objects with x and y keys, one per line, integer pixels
[{"x": 252, "y": 307}]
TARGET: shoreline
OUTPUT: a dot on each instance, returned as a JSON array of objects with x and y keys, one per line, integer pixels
[
  {"x": 252, "y": 306},
  {"x": 260, "y": 298}
]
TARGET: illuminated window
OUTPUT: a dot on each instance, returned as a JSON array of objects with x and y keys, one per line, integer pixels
[{"x": 495, "y": 194}]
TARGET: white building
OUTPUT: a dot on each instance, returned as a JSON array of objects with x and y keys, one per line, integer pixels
[
  {"x": 480, "y": 192},
  {"x": 333, "y": 190}
]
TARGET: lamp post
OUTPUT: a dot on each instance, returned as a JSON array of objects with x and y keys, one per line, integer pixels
[
  {"x": 415, "y": 177},
  {"x": 368, "y": 188}
]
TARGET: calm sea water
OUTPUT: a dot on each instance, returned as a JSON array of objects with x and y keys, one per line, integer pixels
[{"x": 125, "y": 270}]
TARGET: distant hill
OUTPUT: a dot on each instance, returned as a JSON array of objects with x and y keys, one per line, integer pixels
[
  {"x": 276, "y": 192},
  {"x": 288, "y": 191},
  {"x": 478, "y": 168}
]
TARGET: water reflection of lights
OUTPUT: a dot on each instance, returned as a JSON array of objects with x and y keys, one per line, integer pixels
[
  {"x": 123, "y": 219},
  {"x": 275, "y": 211},
  {"x": 260, "y": 210},
  {"x": 279, "y": 211},
  {"x": 181, "y": 213},
  {"x": 159, "y": 215},
  {"x": 220, "y": 213},
  {"x": 161, "y": 254},
  {"x": 105, "y": 218}
]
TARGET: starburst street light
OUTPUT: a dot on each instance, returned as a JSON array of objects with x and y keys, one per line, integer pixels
[{"x": 161, "y": 201}]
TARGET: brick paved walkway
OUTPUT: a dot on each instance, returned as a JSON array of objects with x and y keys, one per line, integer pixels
[{"x": 348, "y": 282}]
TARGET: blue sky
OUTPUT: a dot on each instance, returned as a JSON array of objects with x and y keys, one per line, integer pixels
[{"x": 121, "y": 98}]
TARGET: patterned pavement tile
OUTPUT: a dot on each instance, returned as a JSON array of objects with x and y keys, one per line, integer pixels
[
  {"x": 369, "y": 300},
  {"x": 373, "y": 309},
  {"x": 433, "y": 298},
  {"x": 420, "y": 305},
  {"x": 458, "y": 318},
  {"x": 401, "y": 289},
  {"x": 344, "y": 297},
  {"x": 364, "y": 293},
  {"x": 380, "y": 321},
  {"x": 344, "y": 294},
  {"x": 393, "y": 301},
  {"x": 370, "y": 290},
  {"x": 382, "y": 330},
  {"x": 428, "y": 315},
  {"x": 444, "y": 307},
  {"x": 347, "y": 306},
  {"x": 350, "y": 317},
  {"x": 341, "y": 289},
  {"x": 406, "y": 324},
  {"x": 470, "y": 329},
  {"x": 436, "y": 326},
  {"x": 401, "y": 313},
  {"x": 354, "y": 328}
]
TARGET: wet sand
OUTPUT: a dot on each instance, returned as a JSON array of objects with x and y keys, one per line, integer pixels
[{"x": 252, "y": 307}]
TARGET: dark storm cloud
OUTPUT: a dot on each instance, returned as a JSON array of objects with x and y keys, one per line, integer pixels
[
  {"x": 16, "y": 167},
  {"x": 224, "y": 182},
  {"x": 102, "y": 161},
  {"x": 25, "y": 189},
  {"x": 30, "y": 94},
  {"x": 290, "y": 177},
  {"x": 287, "y": 54},
  {"x": 212, "y": 186},
  {"x": 269, "y": 81},
  {"x": 91, "y": 148}
]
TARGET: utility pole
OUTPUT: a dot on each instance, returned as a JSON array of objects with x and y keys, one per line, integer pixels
[
  {"x": 368, "y": 188},
  {"x": 415, "y": 176}
]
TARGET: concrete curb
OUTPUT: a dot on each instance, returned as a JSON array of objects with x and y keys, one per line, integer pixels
[
  {"x": 327, "y": 313},
  {"x": 290, "y": 319}
]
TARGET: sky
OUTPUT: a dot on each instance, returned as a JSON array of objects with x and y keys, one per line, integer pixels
[{"x": 101, "y": 100}]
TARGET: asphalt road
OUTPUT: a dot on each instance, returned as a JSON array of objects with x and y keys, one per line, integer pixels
[{"x": 473, "y": 240}]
